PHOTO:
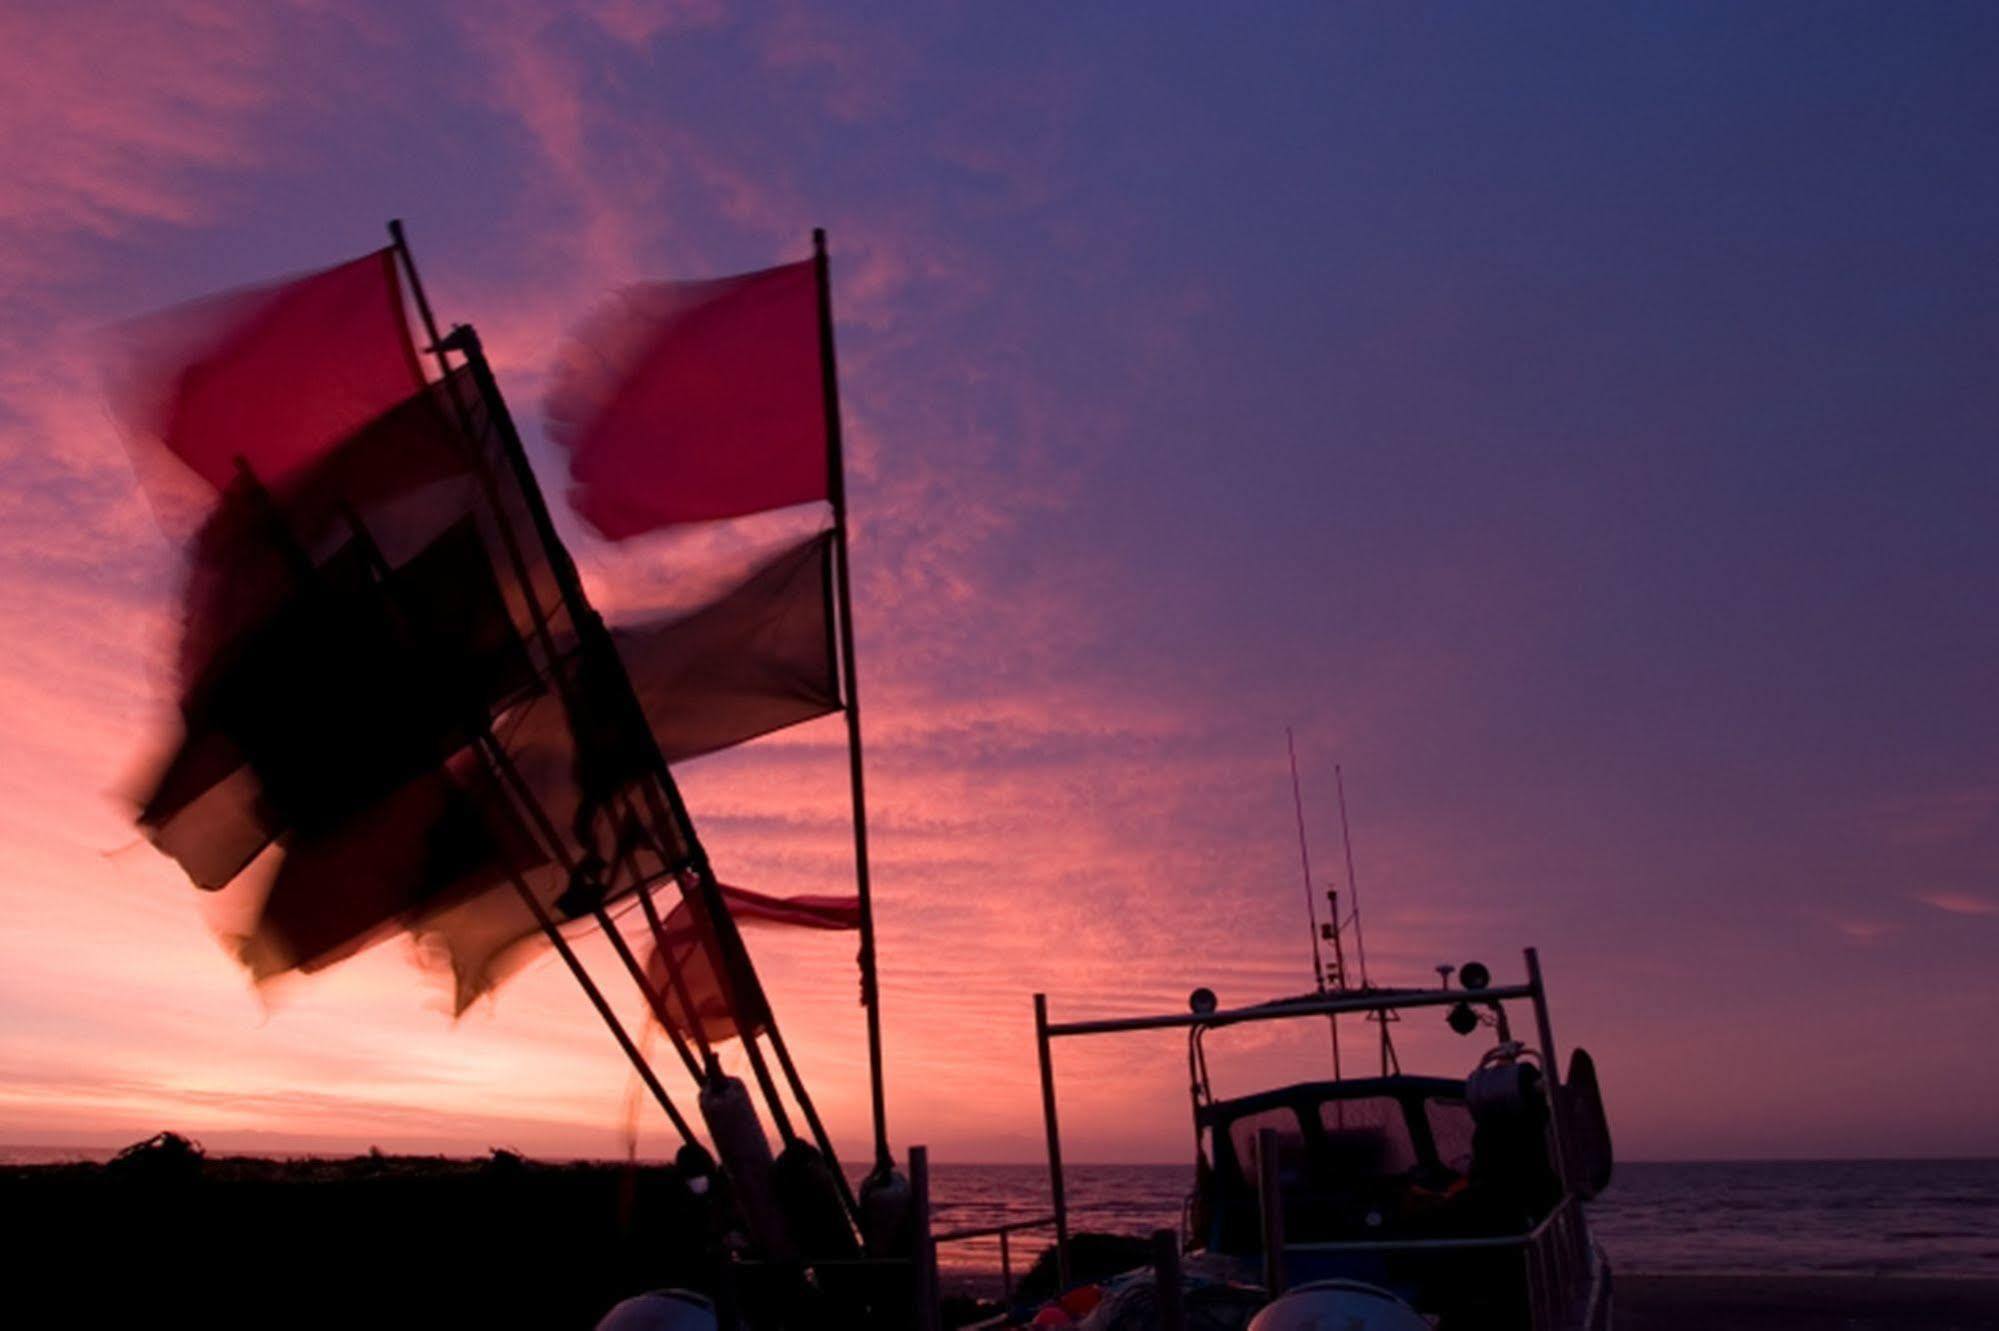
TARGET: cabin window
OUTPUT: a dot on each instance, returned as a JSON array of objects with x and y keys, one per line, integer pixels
[
  {"x": 1367, "y": 1137},
  {"x": 1242, "y": 1134},
  {"x": 1451, "y": 1130}
]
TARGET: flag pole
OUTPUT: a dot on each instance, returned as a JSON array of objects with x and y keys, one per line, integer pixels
[{"x": 836, "y": 482}]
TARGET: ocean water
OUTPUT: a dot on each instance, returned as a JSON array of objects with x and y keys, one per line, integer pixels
[{"x": 1848, "y": 1217}]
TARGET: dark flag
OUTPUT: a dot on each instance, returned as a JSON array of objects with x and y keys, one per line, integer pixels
[
  {"x": 690, "y": 401},
  {"x": 447, "y": 837},
  {"x": 756, "y": 659},
  {"x": 300, "y": 699}
]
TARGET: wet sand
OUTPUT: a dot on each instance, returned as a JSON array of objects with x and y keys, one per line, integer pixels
[{"x": 1805, "y": 1303}]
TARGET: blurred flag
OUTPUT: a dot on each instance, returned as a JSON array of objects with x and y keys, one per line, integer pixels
[
  {"x": 689, "y": 401},
  {"x": 442, "y": 840},
  {"x": 682, "y": 965},
  {"x": 757, "y": 658},
  {"x": 275, "y": 375},
  {"x": 305, "y": 692},
  {"x": 378, "y": 674}
]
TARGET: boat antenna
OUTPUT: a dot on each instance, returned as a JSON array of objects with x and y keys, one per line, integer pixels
[
  {"x": 1353, "y": 885},
  {"x": 1305, "y": 863},
  {"x": 1311, "y": 910}
]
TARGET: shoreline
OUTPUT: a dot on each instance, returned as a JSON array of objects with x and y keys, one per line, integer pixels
[{"x": 1806, "y": 1303}]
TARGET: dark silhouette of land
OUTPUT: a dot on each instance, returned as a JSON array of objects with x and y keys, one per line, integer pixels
[{"x": 370, "y": 1241}]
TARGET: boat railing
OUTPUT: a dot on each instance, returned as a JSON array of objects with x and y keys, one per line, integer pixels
[
  {"x": 1557, "y": 1263},
  {"x": 1003, "y": 1231}
]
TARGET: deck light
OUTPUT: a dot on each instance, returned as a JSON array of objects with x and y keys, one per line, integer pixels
[
  {"x": 1201, "y": 1001},
  {"x": 1474, "y": 975}
]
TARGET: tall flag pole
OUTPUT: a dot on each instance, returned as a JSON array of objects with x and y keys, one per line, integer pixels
[{"x": 836, "y": 481}]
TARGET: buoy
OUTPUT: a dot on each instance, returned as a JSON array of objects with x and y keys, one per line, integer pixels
[
  {"x": 887, "y": 1218},
  {"x": 739, "y": 1140},
  {"x": 808, "y": 1194}
]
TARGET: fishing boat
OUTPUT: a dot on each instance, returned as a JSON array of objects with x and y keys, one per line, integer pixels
[{"x": 1386, "y": 1202}]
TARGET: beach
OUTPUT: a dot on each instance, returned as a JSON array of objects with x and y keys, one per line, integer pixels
[{"x": 1806, "y": 1303}]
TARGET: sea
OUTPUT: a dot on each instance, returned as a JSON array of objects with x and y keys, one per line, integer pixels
[
  {"x": 1843, "y": 1217},
  {"x": 1828, "y": 1217}
]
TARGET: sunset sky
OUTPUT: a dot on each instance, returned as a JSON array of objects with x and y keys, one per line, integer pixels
[{"x": 1578, "y": 424}]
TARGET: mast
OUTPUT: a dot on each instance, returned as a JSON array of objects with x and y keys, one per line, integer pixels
[{"x": 836, "y": 483}]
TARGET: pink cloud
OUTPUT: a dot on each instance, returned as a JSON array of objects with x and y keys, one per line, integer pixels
[{"x": 1960, "y": 903}]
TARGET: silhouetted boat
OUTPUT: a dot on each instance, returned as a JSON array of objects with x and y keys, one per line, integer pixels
[{"x": 1390, "y": 1202}]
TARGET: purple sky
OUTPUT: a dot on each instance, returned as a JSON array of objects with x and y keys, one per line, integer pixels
[{"x": 1577, "y": 423}]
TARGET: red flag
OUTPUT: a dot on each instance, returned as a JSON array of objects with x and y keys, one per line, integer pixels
[
  {"x": 689, "y": 401},
  {"x": 684, "y": 970},
  {"x": 275, "y": 375}
]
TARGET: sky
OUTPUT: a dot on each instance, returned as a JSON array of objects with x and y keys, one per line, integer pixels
[{"x": 1577, "y": 423}]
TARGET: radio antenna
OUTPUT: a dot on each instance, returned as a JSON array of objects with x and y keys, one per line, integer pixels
[
  {"x": 1305, "y": 863},
  {"x": 1353, "y": 886}
]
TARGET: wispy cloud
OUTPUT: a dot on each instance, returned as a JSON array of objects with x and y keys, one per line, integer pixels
[{"x": 1960, "y": 903}]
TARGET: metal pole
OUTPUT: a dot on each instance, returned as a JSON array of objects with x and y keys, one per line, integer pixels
[
  {"x": 597, "y": 1000},
  {"x": 674, "y": 977},
  {"x": 1055, "y": 1188},
  {"x": 836, "y": 489},
  {"x": 819, "y": 1133},
  {"x": 927, "y": 1311},
  {"x": 402, "y": 248},
  {"x": 1270, "y": 1201},
  {"x": 1166, "y": 1280},
  {"x": 1006, "y": 1269},
  {"x": 1557, "y": 1129},
  {"x": 512, "y": 779}
]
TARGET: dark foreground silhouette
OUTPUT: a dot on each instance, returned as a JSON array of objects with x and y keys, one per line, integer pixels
[{"x": 382, "y": 1241}]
